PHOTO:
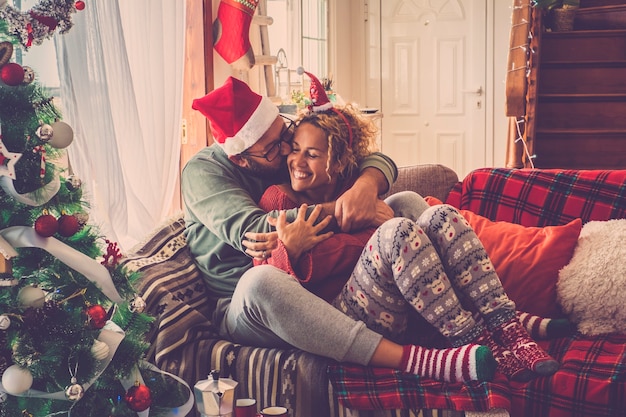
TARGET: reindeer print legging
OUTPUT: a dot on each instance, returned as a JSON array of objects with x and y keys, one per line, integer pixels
[{"x": 426, "y": 267}]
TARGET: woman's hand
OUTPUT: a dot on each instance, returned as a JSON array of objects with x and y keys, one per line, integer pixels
[
  {"x": 302, "y": 234},
  {"x": 260, "y": 245}
]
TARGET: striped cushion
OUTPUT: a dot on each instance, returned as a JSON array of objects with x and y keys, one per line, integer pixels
[{"x": 176, "y": 296}]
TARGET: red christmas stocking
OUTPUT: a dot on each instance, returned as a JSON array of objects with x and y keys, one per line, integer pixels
[{"x": 231, "y": 30}]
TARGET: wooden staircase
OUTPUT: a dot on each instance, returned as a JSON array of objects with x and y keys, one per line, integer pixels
[{"x": 579, "y": 118}]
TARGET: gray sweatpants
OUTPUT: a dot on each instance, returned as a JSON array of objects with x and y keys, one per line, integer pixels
[{"x": 270, "y": 308}]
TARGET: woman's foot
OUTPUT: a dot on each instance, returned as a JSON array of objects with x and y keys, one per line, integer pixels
[
  {"x": 541, "y": 328},
  {"x": 471, "y": 362},
  {"x": 508, "y": 364},
  {"x": 514, "y": 337}
]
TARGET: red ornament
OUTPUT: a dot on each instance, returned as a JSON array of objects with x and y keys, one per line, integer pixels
[
  {"x": 80, "y": 5},
  {"x": 68, "y": 225},
  {"x": 96, "y": 316},
  {"x": 46, "y": 225},
  {"x": 138, "y": 397},
  {"x": 12, "y": 74}
]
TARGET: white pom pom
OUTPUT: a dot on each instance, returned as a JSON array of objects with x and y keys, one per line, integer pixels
[{"x": 300, "y": 70}]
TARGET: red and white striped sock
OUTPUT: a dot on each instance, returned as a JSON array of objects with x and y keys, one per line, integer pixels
[
  {"x": 541, "y": 328},
  {"x": 469, "y": 362}
]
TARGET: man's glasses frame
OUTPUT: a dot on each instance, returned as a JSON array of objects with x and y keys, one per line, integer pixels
[{"x": 286, "y": 136}]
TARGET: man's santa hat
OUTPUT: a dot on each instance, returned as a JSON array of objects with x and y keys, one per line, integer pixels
[{"x": 238, "y": 116}]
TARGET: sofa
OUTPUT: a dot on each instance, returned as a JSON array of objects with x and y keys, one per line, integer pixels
[{"x": 520, "y": 213}]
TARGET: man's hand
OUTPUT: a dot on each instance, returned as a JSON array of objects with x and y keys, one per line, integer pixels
[{"x": 360, "y": 207}]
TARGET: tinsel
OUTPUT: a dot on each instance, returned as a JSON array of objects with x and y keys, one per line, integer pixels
[{"x": 32, "y": 27}]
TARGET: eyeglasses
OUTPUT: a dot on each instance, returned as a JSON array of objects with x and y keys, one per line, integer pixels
[{"x": 286, "y": 136}]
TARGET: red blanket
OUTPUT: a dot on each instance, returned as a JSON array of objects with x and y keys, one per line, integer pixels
[
  {"x": 590, "y": 382},
  {"x": 592, "y": 378}
]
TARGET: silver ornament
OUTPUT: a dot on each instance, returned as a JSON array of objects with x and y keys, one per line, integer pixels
[
  {"x": 74, "y": 391},
  {"x": 45, "y": 132},
  {"x": 73, "y": 182},
  {"x": 82, "y": 218},
  {"x": 138, "y": 305},
  {"x": 29, "y": 75},
  {"x": 5, "y": 322}
]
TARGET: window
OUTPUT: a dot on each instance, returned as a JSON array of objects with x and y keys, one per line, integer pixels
[
  {"x": 41, "y": 58},
  {"x": 300, "y": 30},
  {"x": 313, "y": 39}
]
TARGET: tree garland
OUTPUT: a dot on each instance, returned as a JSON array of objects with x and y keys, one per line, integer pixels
[{"x": 40, "y": 22}]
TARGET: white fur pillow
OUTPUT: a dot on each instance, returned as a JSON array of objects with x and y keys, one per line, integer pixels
[{"x": 591, "y": 287}]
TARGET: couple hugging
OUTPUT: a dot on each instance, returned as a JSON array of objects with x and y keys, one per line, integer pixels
[{"x": 285, "y": 222}]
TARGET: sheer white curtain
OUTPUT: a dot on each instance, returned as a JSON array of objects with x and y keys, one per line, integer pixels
[{"x": 121, "y": 72}]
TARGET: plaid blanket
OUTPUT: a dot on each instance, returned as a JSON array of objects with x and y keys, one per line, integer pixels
[
  {"x": 592, "y": 378},
  {"x": 533, "y": 197}
]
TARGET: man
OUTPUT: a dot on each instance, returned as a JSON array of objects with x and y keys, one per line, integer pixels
[
  {"x": 264, "y": 306},
  {"x": 222, "y": 184}
]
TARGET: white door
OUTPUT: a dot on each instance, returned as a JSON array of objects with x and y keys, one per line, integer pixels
[{"x": 433, "y": 80}]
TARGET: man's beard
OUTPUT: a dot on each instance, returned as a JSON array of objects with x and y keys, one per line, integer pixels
[{"x": 277, "y": 174}]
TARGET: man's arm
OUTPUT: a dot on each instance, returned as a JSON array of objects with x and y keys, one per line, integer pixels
[{"x": 360, "y": 206}]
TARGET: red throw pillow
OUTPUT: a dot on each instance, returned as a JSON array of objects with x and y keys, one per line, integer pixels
[{"x": 527, "y": 259}]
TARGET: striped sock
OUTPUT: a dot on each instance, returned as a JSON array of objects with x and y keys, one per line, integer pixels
[
  {"x": 469, "y": 362},
  {"x": 541, "y": 328}
]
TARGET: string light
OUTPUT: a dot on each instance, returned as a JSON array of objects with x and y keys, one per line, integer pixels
[{"x": 520, "y": 138}]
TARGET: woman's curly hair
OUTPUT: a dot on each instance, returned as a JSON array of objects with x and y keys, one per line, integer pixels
[{"x": 348, "y": 158}]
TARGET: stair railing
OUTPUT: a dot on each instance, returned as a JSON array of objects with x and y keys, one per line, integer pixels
[{"x": 521, "y": 82}]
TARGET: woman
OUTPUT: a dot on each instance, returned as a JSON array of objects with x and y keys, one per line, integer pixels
[{"x": 432, "y": 266}]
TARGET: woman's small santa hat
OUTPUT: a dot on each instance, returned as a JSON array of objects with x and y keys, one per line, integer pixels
[
  {"x": 320, "y": 101},
  {"x": 238, "y": 116}
]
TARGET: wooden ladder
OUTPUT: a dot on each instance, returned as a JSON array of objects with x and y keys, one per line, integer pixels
[{"x": 264, "y": 61}]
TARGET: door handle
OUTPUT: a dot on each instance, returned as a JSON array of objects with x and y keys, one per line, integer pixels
[{"x": 478, "y": 91}]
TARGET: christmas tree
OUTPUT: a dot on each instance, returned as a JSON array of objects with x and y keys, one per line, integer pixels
[{"x": 72, "y": 328}]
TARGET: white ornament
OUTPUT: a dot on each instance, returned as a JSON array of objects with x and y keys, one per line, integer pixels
[
  {"x": 5, "y": 322},
  {"x": 8, "y": 160},
  {"x": 63, "y": 135},
  {"x": 99, "y": 350},
  {"x": 16, "y": 380},
  {"x": 31, "y": 296}
]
